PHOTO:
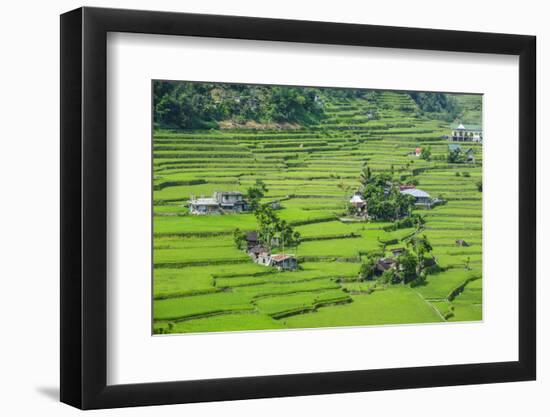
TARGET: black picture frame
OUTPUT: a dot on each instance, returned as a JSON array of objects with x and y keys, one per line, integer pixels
[{"x": 84, "y": 207}]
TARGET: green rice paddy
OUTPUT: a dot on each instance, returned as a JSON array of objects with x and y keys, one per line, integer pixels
[{"x": 202, "y": 283}]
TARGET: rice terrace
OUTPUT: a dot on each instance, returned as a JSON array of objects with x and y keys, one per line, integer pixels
[{"x": 300, "y": 207}]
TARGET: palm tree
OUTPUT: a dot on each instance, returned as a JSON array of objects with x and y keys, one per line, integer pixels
[
  {"x": 365, "y": 175},
  {"x": 421, "y": 246}
]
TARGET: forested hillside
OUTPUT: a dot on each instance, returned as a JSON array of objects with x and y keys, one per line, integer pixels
[{"x": 189, "y": 105}]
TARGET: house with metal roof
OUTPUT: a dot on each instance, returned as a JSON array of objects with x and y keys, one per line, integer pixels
[
  {"x": 421, "y": 197},
  {"x": 284, "y": 262},
  {"x": 204, "y": 205},
  {"x": 221, "y": 202},
  {"x": 466, "y": 133}
]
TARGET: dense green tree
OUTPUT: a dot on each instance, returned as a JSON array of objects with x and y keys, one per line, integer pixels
[
  {"x": 408, "y": 264},
  {"x": 239, "y": 238},
  {"x": 437, "y": 105},
  {"x": 455, "y": 156},
  {"x": 255, "y": 193},
  {"x": 384, "y": 200},
  {"x": 272, "y": 229},
  {"x": 422, "y": 248},
  {"x": 267, "y": 224},
  {"x": 367, "y": 268},
  {"x": 426, "y": 153},
  {"x": 387, "y": 276}
]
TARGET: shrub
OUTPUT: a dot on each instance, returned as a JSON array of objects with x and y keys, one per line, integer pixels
[
  {"x": 418, "y": 281},
  {"x": 387, "y": 276},
  {"x": 366, "y": 271}
]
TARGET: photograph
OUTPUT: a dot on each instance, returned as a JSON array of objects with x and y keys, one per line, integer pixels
[{"x": 299, "y": 207}]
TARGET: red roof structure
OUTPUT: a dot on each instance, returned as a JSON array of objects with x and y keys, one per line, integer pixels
[
  {"x": 407, "y": 187},
  {"x": 281, "y": 257}
]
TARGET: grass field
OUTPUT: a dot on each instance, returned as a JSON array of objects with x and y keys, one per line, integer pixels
[{"x": 203, "y": 283}]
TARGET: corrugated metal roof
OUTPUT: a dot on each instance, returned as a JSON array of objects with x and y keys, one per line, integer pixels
[{"x": 415, "y": 192}]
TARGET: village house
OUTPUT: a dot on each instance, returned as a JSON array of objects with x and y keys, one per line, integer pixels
[
  {"x": 204, "y": 205},
  {"x": 219, "y": 203},
  {"x": 462, "y": 242},
  {"x": 264, "y": 258},
  {"x": 384, "y": 264},
  {"x": 418, "y": 152},
  {"x": 466, "y": 133},
  {"x": 358, "y": 203},
  {"x": 231, "y": 200},
  {"x": 259, "y": 254},
  {"x": 284, "y": 262},
  {"x": 421, "y": 198}
]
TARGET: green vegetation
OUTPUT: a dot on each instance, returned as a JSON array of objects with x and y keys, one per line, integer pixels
[
  {"x": 383, "y": 198},
  {"x": 181, "y": 105},
  {"x": 309, "y": 150},
  {"x": 437, "y": 105},
  {"x": 274, "y": 232}
]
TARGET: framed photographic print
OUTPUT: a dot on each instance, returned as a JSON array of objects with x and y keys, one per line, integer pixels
[{"x": 257, "y": 208}]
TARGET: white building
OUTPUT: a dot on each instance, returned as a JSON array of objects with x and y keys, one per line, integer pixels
[
  {"x": 466, "y": 133},
  {"x": 204, "y": 205},
  {"x": 359, "y": 203}
]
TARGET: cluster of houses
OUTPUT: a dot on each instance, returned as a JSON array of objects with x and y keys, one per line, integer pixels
[
  {"x": 466, "y": 133},
  {"x": 222, "y": 202},
  {"x": 390, "y": 262},
  {"x": 263, "y": 256},
  {"x": 421, "y": 199}
]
